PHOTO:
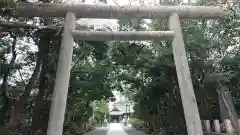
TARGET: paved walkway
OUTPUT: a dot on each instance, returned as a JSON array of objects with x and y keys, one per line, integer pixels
[
  {"x": 132, "y": 131},
  {"x": 98, "y": 131},
  {"x": 115, "y": 129}
]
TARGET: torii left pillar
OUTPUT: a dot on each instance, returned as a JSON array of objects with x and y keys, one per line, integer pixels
[{"x": 59, "y": 99}]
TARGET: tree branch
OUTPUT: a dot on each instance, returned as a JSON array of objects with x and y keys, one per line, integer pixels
[
  {"x": 14, "y": 54},
  {"x": 18, "y": 25},
  {"x": 34, "y": 39},
  {"x": 21, "y": 77}
]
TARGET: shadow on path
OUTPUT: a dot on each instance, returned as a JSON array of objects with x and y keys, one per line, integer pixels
[
  {"x": 98, "y": 131},
  {"x": 132, "y": 131}
]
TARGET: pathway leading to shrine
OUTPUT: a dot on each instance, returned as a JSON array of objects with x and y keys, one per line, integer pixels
[{"x": 115, "y": 129}]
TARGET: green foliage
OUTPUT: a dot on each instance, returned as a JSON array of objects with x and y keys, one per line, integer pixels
[
  {"x": 101, "y": 111},
  {"x": 137, "y": 123},
  {"x": 90, "y": 83}
]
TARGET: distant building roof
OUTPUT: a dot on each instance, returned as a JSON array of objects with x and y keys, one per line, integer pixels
[
  {"x": 115, "y": 111},
  {"x": 118, "y": 107}
]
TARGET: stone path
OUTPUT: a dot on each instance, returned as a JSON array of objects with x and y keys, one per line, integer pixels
[
  {"x": 133, "y": 131},
  {"x": 98, "y": 131},
  {"x": 115, "y": 129}
]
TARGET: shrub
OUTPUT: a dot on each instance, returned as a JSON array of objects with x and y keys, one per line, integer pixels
[{"x": 137, "y": 123}]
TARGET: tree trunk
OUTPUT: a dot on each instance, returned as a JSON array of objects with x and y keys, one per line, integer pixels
[
  {"x": 42, "y": 103},
  {"x": 6, "y": 101},
  {"x": 36, "y": 121},
  {"x": 3, "y": 112},
  {"x": 20, "y": 104}
]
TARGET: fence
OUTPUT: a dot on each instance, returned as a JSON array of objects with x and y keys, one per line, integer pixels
[{"x": 214, "y": 127}]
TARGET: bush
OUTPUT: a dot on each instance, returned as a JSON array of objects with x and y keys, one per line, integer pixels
[
  {"x": 93, "y": 121},
  {"x": 137, "y": 123}
]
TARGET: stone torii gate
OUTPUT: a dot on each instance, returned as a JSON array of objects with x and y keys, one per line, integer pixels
[{"x": 71, "y": 12}]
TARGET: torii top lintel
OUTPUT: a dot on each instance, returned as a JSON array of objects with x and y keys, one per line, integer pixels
[{"x": 117, "y": 12}]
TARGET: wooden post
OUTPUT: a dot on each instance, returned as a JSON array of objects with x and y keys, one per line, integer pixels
[
  {"x": 228, "y": 126},
  {"x": 217, "y": 126},
  {"x": 57, "y": 112},
  {"x": 207, "y": 125},
  {"x": 192, "y": 118}
]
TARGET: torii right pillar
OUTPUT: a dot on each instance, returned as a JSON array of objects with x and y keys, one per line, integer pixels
[{"x": 192, "y": 118}]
